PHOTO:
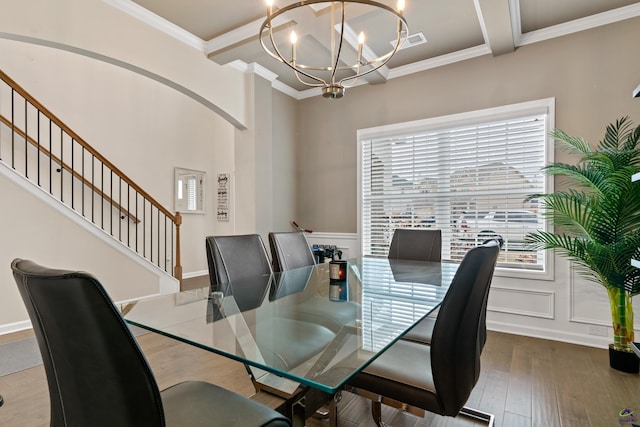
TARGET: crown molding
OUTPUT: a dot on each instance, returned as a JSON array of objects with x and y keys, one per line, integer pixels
[
  {"x": 258, "y": 69},
  {"x": 439, "y": 61},
  {"x": 249, "y": 30},
  {"x": 263, "y": 72},
  {"x": 582, "y": 24},
  {"x": 239, "y": 35},
  {"x": 157, "y": 22}
]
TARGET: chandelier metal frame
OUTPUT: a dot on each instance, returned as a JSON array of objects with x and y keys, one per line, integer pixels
[{"x": 332, "y": 87}]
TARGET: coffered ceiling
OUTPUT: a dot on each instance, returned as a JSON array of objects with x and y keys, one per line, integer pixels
[{"x": 454, "y": 30}]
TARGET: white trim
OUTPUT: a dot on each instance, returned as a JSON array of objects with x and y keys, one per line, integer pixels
[
  {"x": 157, "y": 22},
  {"x": 581, "y": 24},
  {"x": 249, "y": 30},
  {"x": 10, "y": 328},
  {"x": 439, "y": 61},
  {"x": 522, "y": 108},
  {"x": 298, "y": 95},
  {"x": 549, "y": 334},
  {"x": 546, "y": 106},
  {"x": 516, "y": 24},
  {"x": 263, "y": 72},
  {"x": 240, "y": 34},
  {"x": 167, "y": 283},
  {"x": 193, "y": 274},
  {"x": 481, "y": 21},
  {"x": 550, "y": 296},
  {"x": 333, "y": 236}
]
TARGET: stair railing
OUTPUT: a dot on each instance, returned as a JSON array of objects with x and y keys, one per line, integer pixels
[{"x": 38, "y": 145}]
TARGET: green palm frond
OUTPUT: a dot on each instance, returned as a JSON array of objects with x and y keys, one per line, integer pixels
[
  {"x": 597, "y": 219},
  {"x": 572, "y": 143}
]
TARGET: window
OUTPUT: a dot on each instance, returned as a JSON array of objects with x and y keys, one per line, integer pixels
[
  {"x": 189, "y": 191},
  {"x": 470, "y": 175}
]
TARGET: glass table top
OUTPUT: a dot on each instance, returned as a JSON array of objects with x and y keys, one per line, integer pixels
[{"x": 302, "y": 326}]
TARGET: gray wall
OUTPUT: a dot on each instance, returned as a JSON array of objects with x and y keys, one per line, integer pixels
[
  {"x": 285, "y": 172},
  {"x": 591, "y": 74}
]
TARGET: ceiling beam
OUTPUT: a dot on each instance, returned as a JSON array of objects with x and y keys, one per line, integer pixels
[{"x": 495, "y": 20}]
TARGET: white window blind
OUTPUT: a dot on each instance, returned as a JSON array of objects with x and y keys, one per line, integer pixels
[
  {"x": 391, "y": 306},
  {"x": 470, "y": 179},
  {"x": 191, "y": 193}
]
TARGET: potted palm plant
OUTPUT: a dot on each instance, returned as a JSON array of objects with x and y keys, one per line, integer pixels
[{"x": 597, "y": 223}]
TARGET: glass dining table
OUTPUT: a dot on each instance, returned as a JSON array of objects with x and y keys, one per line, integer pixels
[{"x": 301, "y": 334}]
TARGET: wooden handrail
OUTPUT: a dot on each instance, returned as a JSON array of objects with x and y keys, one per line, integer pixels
[
  {"x": 82, "y": 142},
  {"x": 175, "y": 218},
  {"x": 63, "y": 165}
]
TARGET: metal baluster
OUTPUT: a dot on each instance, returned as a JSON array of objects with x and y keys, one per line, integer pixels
[
  {"x": 83, "y": 179},
  {"x": 73, "y": 169},
  {"x": 93, "y": 188},
  {"x": 129, "y": 215},
  {"x": 101, "y": 195},
  {"x": 151, "y": 231},
  {"x": 144, "y": 228},
  {"x": 13, "y": 130},
  {"x": 38, "y": 148},
  {"x": 110, "y": 201},
  {"x": 120, "y": 214},
  {"x": 50, "y": 159},
  {"x": 26, "y": 139},
  {"x": 61, "y": 163},
  {"x": 137, "y": 221}
]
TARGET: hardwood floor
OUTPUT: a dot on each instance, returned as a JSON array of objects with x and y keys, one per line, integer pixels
[{"x": 524, "y": 382}]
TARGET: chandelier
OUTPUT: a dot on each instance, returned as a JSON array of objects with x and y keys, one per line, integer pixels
[{"x": 348, "y": 58}]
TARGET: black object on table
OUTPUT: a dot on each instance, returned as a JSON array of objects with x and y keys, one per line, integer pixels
[{"x": 1, "y": 400}]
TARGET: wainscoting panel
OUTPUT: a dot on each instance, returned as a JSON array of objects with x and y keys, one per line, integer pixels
[
  {"x": 588, "y": 302},
  {"x": 346, "y": 242},
  {"x": 525, "y": 302}
]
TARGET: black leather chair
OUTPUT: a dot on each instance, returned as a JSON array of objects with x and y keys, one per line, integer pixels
[
  {"x": 418, "y": 244},
  {"x": 236, "y": 257},
  {"x": 439, "y": 377},
  {"x": 290, "y": 250},
  {"x": 243, "y": 260},
  {"x": 424, "y": 329},
  {"x": 97, "y": 374}
]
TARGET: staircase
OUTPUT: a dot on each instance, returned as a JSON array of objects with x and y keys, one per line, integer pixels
[{"x": 40, "y": 147}]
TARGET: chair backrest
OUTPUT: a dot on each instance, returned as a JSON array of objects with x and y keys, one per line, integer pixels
[
  {"x": 96, "y": 372},
  {"x": 455, "y": 343},
  {"x": 290, "y": 250},
  {"x": 236, "y": 257},
  {"x": 418, "y": 244}
]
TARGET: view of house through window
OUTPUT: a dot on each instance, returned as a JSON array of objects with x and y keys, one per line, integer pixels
[{"x": 470, "y": 175}]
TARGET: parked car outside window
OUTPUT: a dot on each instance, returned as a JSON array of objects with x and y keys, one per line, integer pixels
[{"x": 511, "y": 225}]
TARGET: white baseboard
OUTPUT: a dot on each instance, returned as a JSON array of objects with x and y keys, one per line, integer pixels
[
  {"x": 548, "y": 334},
  {"x": 15, "y": 327},
  {"x": 195, "y": 274}
]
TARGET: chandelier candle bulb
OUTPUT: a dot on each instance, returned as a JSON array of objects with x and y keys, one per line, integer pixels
[
  {"x": 339, "y": 72},
  {"x": 294, "y": 40}
]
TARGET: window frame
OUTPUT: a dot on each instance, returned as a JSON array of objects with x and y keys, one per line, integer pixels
[{"x": 505, "y": 112}]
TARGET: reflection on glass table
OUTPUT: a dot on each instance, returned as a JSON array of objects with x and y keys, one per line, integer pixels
[{"x": 286, "y": 324}]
